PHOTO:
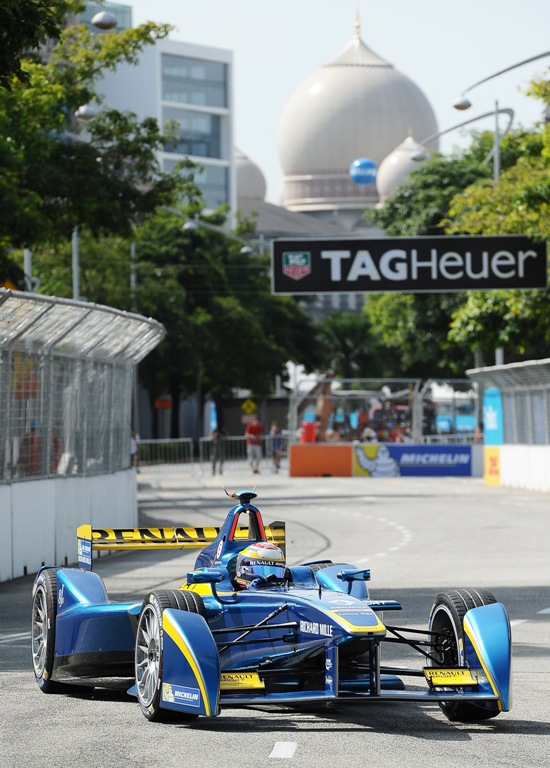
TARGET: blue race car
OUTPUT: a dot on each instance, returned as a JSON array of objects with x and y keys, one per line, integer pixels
[{"x": 246, "y": 629}]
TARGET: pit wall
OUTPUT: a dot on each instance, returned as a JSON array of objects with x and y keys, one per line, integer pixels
[{"x": 39, "y": 518}]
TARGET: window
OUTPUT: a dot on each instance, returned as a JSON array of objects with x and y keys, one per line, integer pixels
[
  {"x": 194, "y": 81},
  {"x": 213, "y": 181},
  {"x": 199, "y": 133}
]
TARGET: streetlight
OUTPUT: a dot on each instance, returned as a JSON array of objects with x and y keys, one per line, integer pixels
[
  {"x": 420, "y": 155},
  {"x": 104, "y": 21},
  {"x": 462, "y": 103},
  {"x": 192, "y": 225}
]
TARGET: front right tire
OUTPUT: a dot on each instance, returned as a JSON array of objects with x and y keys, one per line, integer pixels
[{"x": 447, "y": 646}]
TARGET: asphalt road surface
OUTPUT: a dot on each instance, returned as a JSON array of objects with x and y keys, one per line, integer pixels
[{"x": 417, "y": 535}]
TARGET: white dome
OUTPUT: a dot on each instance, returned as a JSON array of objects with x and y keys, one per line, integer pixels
[
  {"x": 395, "y": 168},
  {"x": 250, "y": 180},
  {"x": 357, "y": 105}
]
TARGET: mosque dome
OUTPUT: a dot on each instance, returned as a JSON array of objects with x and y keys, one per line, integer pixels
[
  {"x": 395, "y": 167},
  {"x": 250, "y": 180},
  {"x": 356, "y": 106}
]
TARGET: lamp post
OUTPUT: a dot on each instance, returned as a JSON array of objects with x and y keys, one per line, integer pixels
[
  {"x": 192, "y": 225},
  {"x": 104, "y": 21},
  {"x": 421, "y": 155},
  {"x": 462, "y": 103}
]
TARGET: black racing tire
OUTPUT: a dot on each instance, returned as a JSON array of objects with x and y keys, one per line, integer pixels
[
  {"x": 149, "y": 650},
  {"x": 447, "y": 645},
  {"x": 44, "y": 613}
]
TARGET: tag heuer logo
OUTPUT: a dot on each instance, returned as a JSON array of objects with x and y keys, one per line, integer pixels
[{"x": 296, "y": 264}]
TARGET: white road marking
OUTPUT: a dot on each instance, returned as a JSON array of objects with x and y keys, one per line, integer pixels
[
  {"x": 13, "y": 638},
  {"x": 515, "y": 622},
  {"x": 284, "y": 749},
  {"x": 544, "y": 610}
]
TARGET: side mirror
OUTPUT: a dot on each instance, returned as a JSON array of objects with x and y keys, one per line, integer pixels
[
  {"x": 205, "y": 576},
  {"x": 357, "y": 574}
]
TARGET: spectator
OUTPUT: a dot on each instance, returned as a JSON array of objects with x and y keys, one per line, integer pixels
[
  {"x": 276, "y": 444},
  {"x": 253, "y": 433},
  {"x": 30, "y": 455},
  {"x": 368, "y": 435},
  {"x": 218, "y": 437},
  {"x": 134, "y": 449}
]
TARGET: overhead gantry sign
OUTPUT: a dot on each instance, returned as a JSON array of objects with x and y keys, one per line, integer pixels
[{"x": 411, "y": 265}]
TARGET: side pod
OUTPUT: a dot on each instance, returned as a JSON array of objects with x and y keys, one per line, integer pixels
[
  {"x": 191, "y": 665},
  {"x": 489, "y": 649}
]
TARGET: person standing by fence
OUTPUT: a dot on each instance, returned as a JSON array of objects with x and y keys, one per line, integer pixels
[
  {"x": 134, "y": 449},
  {"x": 253, "y": 433},
  {"x": 218, "y": 436},
  {"x": 276, "y": 434}
]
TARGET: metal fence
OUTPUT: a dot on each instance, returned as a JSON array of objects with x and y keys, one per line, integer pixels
[
  {"x": 525, "y": 391},
  {"x": 166, "y": 453},
  {"x": 66, "y": 383},
  {"x": 207, "y": 456}
]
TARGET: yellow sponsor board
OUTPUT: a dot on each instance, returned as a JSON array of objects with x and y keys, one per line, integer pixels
[
  {"x": 491, "y": 464},
  {"x": 449, "y": 677},
  {"x": 236, "y": 681}
]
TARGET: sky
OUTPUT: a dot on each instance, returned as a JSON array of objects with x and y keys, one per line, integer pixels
[{"x": 444, "y": 46}]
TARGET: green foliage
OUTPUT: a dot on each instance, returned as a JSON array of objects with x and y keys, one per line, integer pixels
[
  {"x": 457, "y": 195},
  {"x": 415, "y": 327},
  {"x": 352, "y": 350},
  {"x": 225, "y": 329},
  {"x": 25, "y": 25},
  {"x": 51, "y": 179},
  {"x": 520, "y": 204},
  {"x": 421, "y": 206}
]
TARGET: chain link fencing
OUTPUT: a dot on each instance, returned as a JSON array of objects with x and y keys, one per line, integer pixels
[{"x": 66, "y": 382}]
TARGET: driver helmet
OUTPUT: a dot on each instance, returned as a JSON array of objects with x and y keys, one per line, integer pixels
[{"x": 260, "y": 560}]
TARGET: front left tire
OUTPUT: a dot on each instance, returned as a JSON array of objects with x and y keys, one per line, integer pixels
[{"x": 149, "y": 650}]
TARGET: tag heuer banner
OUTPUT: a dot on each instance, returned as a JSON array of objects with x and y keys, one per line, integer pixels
[{"x": 404, "y": 264}]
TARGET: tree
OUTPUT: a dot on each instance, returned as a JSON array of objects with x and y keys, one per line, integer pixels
[
  {"x": 25, "y": 25},
  {"x": 51, "y": 179},
  {"x": 421, "y": 206},
  {"x": 518, "y": 321},
  {"x": 429, "y": 332},
  {"x": 225, "y": 329},
  {"x": 351, "y": 349}
]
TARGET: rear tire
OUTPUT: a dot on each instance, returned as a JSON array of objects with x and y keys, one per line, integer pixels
[
  {"x": 447, "y": 648},
  {"x": 149, "y": 650}
]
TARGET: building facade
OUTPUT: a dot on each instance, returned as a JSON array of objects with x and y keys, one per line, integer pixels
[{"x": 190, "y": 86}]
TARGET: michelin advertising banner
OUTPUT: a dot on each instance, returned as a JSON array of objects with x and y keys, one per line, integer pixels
[{"x": 402, "y": 460}]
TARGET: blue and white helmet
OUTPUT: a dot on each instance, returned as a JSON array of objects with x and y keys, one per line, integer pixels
[{"x": 260, "y": 561}]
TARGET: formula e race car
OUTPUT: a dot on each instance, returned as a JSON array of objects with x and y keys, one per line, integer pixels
[{"x": 247, "y": 629}]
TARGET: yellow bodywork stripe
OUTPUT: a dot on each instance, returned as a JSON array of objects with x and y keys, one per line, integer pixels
[
  {"x": 173, "y": 632},
  {"x": 355, "y": 628}
]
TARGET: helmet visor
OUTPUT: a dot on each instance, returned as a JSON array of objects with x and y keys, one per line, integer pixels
[{"x": 255, "y": 571}]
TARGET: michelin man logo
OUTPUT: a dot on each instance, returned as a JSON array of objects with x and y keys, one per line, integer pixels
[{"x": 381, "y": 466}]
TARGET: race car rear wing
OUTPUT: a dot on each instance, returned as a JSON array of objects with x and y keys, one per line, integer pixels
[{"x": 92, "y": 540}]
